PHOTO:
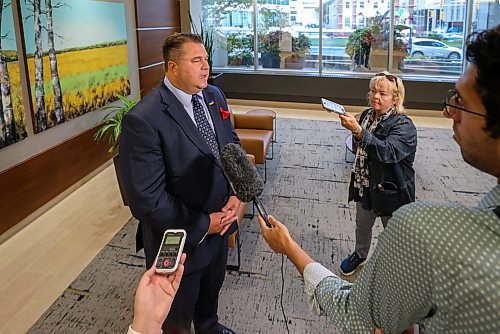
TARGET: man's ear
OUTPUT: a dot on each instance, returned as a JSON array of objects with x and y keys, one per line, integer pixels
[{"x": 171, "y": 66}]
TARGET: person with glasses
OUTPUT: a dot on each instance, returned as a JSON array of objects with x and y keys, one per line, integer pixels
[
  {"x": 382, "y": 178},
  {"x": 436, "y": 265}
]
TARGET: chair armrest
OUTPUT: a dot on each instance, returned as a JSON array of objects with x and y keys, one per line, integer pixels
[
  {"x": 255, "y": 147},
  {"x": 259, "y": 122}
]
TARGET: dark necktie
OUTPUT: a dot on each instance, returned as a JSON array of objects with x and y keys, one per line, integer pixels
[{"x": 204, "y": 127}]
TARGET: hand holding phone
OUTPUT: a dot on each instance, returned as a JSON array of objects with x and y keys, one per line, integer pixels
[
  {"x": 331, "y": 106},
  {"x": 170, "y": 252}
]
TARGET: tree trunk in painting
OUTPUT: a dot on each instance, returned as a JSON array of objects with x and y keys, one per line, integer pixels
[
  {"x": 8, "y": 121},
  {"x": 41, "y": 116},
  {"x": 8, "y": 112},
  {"x": 3, "y": 128},
  {"x": 56, "y": 84}
]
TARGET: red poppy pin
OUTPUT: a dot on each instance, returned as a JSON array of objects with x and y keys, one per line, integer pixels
[{"x": 224, "y": 113}]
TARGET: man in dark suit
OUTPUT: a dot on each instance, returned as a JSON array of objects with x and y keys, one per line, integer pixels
[{"x": 169, "y": 158}]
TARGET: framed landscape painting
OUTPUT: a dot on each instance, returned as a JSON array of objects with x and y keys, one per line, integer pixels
[
  {"x": 77, "y": 57},
  {"x": 12, "y": 116}
]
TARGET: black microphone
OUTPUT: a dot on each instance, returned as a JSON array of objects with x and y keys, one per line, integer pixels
[{"x": 243, "y": 176}]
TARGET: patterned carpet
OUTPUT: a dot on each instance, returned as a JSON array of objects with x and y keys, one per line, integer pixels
[{"x": 307, "y": 191}]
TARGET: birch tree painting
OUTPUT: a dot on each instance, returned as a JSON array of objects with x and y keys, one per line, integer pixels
[
  {"x": 8, "y": 123},
  {"x": 56, "y": 84},
  {"x": 12, "y": 127},
  {"x": 81, "y": 63},
  {"x": 40, "y": 114}
]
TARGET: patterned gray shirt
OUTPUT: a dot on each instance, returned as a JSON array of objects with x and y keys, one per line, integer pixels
[{"x": 435, "y": 264}]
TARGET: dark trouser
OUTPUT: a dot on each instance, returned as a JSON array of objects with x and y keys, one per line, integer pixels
[
  {"x": 197, "y": 298},
  {"x": 364, "y": 224}
]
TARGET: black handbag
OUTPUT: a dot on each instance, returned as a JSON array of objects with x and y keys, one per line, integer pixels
[{"x": 388, "y": 196}]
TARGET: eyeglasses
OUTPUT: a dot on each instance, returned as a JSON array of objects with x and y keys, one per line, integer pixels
[
  {"x": 389, "y": 77},
  {"x": 451, "y": 109}
]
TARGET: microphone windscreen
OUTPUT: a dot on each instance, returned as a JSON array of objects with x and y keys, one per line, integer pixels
[{"x": 240, "y": 171}]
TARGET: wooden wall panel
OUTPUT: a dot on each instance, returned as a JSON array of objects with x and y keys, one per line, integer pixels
[
  {"x": 158, "y": 13},
  {"x": 150, "y": 78},
  {"x": 31, "y": 184},
  {"x": 150, "y": 45},
  {"x": 156, "y": 20}
]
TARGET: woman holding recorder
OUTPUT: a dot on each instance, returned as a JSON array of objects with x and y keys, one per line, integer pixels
[{"x": 382, "y": 178}]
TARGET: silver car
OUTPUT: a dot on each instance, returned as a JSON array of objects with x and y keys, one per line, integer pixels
[{"x": 431, "y": 48}]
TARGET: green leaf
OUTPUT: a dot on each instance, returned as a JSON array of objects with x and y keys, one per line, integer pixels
[{"x": 110, "y": 124}]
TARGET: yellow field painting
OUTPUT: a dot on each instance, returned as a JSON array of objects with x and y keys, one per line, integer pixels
[
  {"x": 89, "y": 79},
  {"x": 82, "y": 61}
]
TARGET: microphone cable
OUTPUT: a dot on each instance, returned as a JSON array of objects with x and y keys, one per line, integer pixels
[{"x": 282, "y": 291}]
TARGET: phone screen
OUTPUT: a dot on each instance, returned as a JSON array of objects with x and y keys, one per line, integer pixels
[{"x": 333, "y": 107}]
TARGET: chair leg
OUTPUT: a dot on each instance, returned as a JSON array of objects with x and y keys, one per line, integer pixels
[
  {"x": 236, "y": 267},
  {"x": 275, "y": 128},
  {"x": 265, "y": 170},
  {"x": 272, "y": 151}
]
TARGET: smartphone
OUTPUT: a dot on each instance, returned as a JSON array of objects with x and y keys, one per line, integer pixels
[
  {"x": 331, "y": 106},
  {"x": 170, "y": 252}
]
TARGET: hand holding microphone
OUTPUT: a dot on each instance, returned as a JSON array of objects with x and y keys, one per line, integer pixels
[
  {"x": 243, "y": 176},
  {"x": 278, "y": 237}
]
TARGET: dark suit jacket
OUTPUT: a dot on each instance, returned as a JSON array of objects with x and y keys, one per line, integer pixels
[{"x": 171, "y": 178}]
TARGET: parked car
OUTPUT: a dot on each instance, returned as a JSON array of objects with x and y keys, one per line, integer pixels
[
  {"x": 455, "y": 29},
  {"x": 432, "y": 48},
  {"x": 453, "y": 37}
]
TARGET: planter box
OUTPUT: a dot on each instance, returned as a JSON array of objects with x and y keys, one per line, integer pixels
[
  {"x": 378, "y": 60},
  {"x": 295, "y": 62},
  {"x": 270, "y": 59},
  {"x": 215, "y": 79}
]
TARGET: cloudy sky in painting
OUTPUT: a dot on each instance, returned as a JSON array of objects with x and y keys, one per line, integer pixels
[{"x": 81, "y": 23}]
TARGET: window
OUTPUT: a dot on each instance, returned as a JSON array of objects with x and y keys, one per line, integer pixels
[
  {"x": 427, "y": 40},
  {"x": 287, "y": 36}
]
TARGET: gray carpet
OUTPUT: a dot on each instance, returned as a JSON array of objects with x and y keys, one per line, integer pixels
[{"x": 306, "y": 190}]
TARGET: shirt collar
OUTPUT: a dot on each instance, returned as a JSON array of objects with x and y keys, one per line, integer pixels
[
  {"x": 491, "y": 199},
  {"x": 182, "y": 96}
]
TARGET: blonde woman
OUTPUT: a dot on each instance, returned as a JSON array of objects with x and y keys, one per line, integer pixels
[{"x": 383, "y": 178}]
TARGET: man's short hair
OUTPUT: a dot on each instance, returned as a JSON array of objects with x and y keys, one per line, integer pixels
[
  {"x": 483, "y": 50},
  {"x": 172, "y": 46}
]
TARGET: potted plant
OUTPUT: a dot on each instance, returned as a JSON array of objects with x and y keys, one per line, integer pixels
[
  {"x": 358, "y": 46},
  {"x": 240, "y": 49},
  {"x": 380, "y": 46},
  {"x": 269, "y": 46},
  {"x": 300, "y": 48},
  {"x": 110, "y": 127}
]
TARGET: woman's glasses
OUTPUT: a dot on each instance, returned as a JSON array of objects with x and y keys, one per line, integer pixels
[
  {"x": 389, "y": 77},
  {"x": 451, "y": 108}
]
